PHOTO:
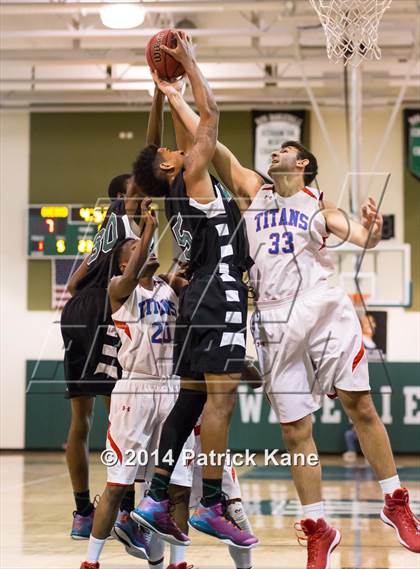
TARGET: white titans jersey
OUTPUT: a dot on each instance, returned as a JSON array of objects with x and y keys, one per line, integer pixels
[
  {"x": 287, "y": 244},
  {"x": 146, "y": 325}
]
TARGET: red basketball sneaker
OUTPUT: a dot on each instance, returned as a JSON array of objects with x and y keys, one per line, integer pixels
[
  {"x": 321, "y": 540},
  {"x": 182, "y": 565},
  {"x": 397, "y": 514},
  {"x": 87, "y": 565}
]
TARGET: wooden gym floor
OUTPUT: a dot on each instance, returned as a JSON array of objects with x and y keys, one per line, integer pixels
[{"x": 36, "y": 507}]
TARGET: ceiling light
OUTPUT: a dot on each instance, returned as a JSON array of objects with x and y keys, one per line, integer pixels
[{"x": 122, "y": 16}]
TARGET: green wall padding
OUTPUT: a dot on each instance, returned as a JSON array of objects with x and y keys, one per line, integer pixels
[
  {"x": 412, "y": 217},
  {"x": 48, "y": 413}
]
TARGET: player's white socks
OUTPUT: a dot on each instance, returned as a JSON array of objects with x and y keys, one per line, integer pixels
[
  {"x": 95, "y": 548},
  {"x": 177, "y": 554},
  {"x": 156, "y": 552},
  {"x": 237, "y": 512},
  {"x": 389, "y": 485},
  {"x": 241, "y": 557},
  {"x": 314, "y": 511}
]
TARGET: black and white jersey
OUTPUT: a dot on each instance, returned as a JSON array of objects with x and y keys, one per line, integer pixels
[
  {"x": 115, "y": 228},
  {"x": 86, "y": 322},
  {"x": 208, "y": 234}
]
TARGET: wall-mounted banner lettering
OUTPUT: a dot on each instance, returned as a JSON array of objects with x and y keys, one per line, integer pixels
[{"x": 271, "y": 129}]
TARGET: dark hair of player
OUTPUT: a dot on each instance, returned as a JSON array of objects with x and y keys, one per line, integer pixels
[
  {"x": 114, "y": 270},
  {"x": 106, "y": 267},
  {"x": 148, "y": 175},
  {"x": 311, "y": 170},
  {"x": 118, "y": 185}
]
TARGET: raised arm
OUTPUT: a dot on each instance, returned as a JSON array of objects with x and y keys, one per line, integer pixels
[
  {"x": 366, "y": 234},
  {"x": 198, "y": 158},
  {"x": 241, "y": 181},
  {"x": 155, "y": 124},
  {"x": 133, "y": 194},
  {"x": 184, "y": 138},
  {"x": 122, "y": 286}
]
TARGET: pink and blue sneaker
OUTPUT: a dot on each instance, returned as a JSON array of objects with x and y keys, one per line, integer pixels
[
  {"x": 216, "y": 522},
  {"x": 82, "y": 525},
  {"x": 128, "y": 533},
  {"x": 156, "y": 517}
]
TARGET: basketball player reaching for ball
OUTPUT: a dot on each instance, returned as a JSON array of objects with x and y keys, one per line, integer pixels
[
  {"x": 210, "y": 333},
  {"x": 307, "y": 334},
  {"x": 140, "y": 402},
  {"x": 90, "y": 361}
]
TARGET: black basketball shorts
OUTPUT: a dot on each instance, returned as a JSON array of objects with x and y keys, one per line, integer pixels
[
  {"x": 91, "y": 345},
  {"x": 210, "y": 334}
]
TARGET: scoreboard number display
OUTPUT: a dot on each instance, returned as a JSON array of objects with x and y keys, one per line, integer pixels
[{"x": 63, "y": 231}]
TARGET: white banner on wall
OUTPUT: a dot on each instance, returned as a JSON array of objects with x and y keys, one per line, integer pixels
[{"x": 270, "y": 131}]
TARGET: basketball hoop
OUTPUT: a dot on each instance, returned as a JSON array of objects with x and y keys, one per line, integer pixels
[{"x": 351, "y": 28}]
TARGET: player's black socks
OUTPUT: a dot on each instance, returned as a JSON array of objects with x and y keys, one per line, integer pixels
[
  {"x": 159, "y": 487},
  {"x": 212, "y": 491},
  {"x": 84, "y": 506},
  {"x": 127, "y": 503}
]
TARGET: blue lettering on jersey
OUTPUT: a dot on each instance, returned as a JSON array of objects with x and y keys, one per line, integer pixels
[
  {"x": 293, "y": 219},
  {"x": 284, "y": 217},
  {"x": 266, "y": 219},
  {"x": 257, "y": 218},
  {"x": 303, "y": 222},
  {"x": 151, "y": 306},
  {"x": 273, "y": 213}
]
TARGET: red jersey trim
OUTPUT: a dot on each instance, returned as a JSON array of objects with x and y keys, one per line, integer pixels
[
  {"x": 358, "y": 357},
  {"x": 123, "y": 326},
  {"x": 114, "y": 445},
  {"x": 309, "y": 193}
]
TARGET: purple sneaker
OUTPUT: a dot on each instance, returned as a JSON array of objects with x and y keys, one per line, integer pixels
[
  {"x": 156, "y": 517},
  {"x": 128, "y": 533},
  {"x": 82, "y": 525},
  {"x": 216, "y": 521}
]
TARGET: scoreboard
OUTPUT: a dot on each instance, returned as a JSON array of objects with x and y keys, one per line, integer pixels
[{"x": 62, "y": 231}]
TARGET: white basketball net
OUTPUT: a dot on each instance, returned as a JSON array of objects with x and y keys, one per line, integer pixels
[{"x": 351, "y": 28}]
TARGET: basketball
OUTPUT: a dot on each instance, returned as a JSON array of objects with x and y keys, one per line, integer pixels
[{"x": 166, "y": 66}]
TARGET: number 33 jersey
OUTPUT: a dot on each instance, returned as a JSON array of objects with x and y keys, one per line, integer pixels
[
  {"x": 287, "y": 244},
  {"x": 145, "y": 324}
]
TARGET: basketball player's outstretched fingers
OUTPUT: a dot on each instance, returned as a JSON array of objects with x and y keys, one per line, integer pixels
[
  {"x": 168, "y": 87},
  {"x": 184, "y": 51},
  {"x": 145, "y": 205}
]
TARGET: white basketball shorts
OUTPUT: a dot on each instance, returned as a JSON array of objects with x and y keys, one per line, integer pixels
[
  {"x": 139, "y": 408},
  {"x": 307, "y": 349}
]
